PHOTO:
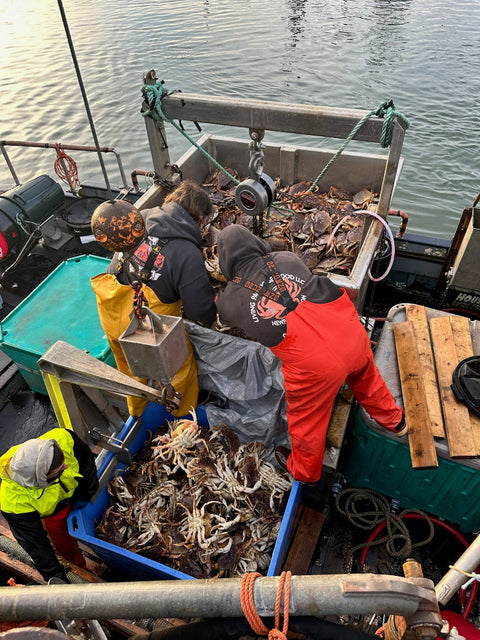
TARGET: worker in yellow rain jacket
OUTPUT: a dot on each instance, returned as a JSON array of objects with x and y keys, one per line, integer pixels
[
  {"x": 40, "y": 480},
  {"x": 163, "y": 245}
]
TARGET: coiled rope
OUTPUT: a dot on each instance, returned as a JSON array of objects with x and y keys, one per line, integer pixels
[
  {"x": 248, "y": 605},
  {"x": 366, "y": 509},
  {"x": 66, "y": 168}
]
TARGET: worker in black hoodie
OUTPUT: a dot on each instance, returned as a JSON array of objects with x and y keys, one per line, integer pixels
[
  {"x": 312, "y": 326},
  {"x": 163, "y": 245}
]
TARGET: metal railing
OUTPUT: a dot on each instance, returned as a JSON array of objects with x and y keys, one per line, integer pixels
[{"x": 67, "y": 147}]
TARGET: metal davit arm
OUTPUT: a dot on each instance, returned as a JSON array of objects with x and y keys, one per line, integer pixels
[
  {"x": 329, "y": 122},
  {"x": 74, "y": 381},
  {"x": 72, "y": 365},
  {"x": 309, "y": 596}
]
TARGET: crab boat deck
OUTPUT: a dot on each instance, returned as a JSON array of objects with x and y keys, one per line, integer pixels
[
  {"x": 316, "y": 536},
  {"x": 350, "y": 172}
]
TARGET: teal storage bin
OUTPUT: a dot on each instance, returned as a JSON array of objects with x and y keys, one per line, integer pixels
[
  {"x": 62, "y": 307},
  {"x": 379, "y": 460}
]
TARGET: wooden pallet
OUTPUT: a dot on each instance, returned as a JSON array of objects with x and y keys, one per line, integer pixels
[
  {"x": 305, "y": 533},
  {"x": 422, "y": 446},
  {"x": 427, "y": 353}
]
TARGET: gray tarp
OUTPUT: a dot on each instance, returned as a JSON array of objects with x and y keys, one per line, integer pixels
[{"x": 248, "y": 377}]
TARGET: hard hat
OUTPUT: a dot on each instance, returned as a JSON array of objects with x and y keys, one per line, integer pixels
[{"x": 118, "y": 225}]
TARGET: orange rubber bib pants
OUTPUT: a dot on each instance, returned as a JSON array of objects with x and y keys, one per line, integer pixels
[
  {"x": 326, "y": 345},
  {"x": 65, "y": 545},
  {"x": 115, "y": 303}
]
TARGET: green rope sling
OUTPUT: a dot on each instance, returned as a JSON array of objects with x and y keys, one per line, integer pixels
[{"x": 154, "y": 93}]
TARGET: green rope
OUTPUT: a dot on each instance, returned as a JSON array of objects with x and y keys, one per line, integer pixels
[
  {"x": 387, "y": 111},
  {"x": 153, "y": 94}
]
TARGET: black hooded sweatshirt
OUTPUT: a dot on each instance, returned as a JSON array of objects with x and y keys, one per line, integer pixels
[
  {"x": 178, "y": 272},
  {"x": 240, "y": 254}
]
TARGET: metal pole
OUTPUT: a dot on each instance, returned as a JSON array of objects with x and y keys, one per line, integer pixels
[
  {"x": 453, "y": 579},
  {"x": 157, "y": 137},
  {"x": 9, "y": 164},
  {"x": 310, "y": 596},
  {"x": 84, "y": 95}
]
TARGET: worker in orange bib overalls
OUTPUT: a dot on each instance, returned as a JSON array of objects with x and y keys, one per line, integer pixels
[{"x": 312, "y": 326}]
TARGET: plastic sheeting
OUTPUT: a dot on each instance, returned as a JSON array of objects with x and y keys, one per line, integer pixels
[{"x": 247, "y": 378}]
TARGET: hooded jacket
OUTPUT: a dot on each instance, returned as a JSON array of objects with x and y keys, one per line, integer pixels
[
  {"x": 261, "y": 318},
  {"x": 178, "y": 272},
  {"x": 26, "y": 496}
]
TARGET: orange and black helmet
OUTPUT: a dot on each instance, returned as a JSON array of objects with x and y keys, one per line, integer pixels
[{"x": 117, "y": 225}]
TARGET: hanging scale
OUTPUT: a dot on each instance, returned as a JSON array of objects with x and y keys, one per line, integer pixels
[{"x": 257, "y": 192}]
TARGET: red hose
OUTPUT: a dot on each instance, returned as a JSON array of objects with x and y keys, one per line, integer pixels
[
  {"x": 467, "y": 608},
  {"x": 404, "y": 216}
]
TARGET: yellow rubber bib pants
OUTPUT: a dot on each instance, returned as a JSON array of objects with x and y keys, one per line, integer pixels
[{"x": 115, "y": 303}]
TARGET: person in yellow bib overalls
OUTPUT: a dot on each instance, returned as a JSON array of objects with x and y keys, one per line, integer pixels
[{"x": 163, "y": 245}]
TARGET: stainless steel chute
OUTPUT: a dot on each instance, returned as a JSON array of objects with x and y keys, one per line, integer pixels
[{"x": 154, "y": 346}]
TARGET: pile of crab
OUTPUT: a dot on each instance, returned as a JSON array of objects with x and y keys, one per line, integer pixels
[
  {"x": 198, "y": 501},
  {"x": 324, "y": 229}
]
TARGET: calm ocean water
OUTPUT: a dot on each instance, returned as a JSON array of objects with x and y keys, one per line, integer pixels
[{"x": 424, "y": 54}]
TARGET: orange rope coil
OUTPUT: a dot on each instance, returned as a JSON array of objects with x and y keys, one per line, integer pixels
[
  {"x": 66, "y": 168},
  {"x": 248, "y": 605}
]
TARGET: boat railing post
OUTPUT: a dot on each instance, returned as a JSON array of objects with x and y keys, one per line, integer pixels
[
  {"x": 9, "y": 163},
  {"x": 457, "y": 575},
  {"x": 120, "y": 168},
  {"x": 391, "y": 169}
]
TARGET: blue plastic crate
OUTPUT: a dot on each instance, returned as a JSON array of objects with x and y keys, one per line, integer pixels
[
  {"x": 62, "y": 307},
  {"x": 82, "y": 523}
]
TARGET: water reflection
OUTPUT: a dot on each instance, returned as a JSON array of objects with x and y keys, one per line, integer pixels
[
  {"x": 387, "y": 37},
  {"x": 296, "y": 18},
  {"x": 296, "y": 23},
  {"x": 339, "y": 53}
]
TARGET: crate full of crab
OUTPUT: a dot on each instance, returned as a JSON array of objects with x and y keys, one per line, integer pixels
[
  {"x": 194, "y": 503},
  {"x": 336, "y": 221}
]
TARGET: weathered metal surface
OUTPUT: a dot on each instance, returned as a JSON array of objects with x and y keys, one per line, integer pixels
[
  {"x": 350, "y": 172},
  {"x": 310, "y": 596},
  {"x": 75, "y": 366},
  {"x": 455, "y": 577},
  {"x": 155, "y": 347},
  {"x": 329, "y": 122}
]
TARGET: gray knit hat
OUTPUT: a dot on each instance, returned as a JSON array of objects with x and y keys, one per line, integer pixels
[{"x": 32, "y": 462}]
